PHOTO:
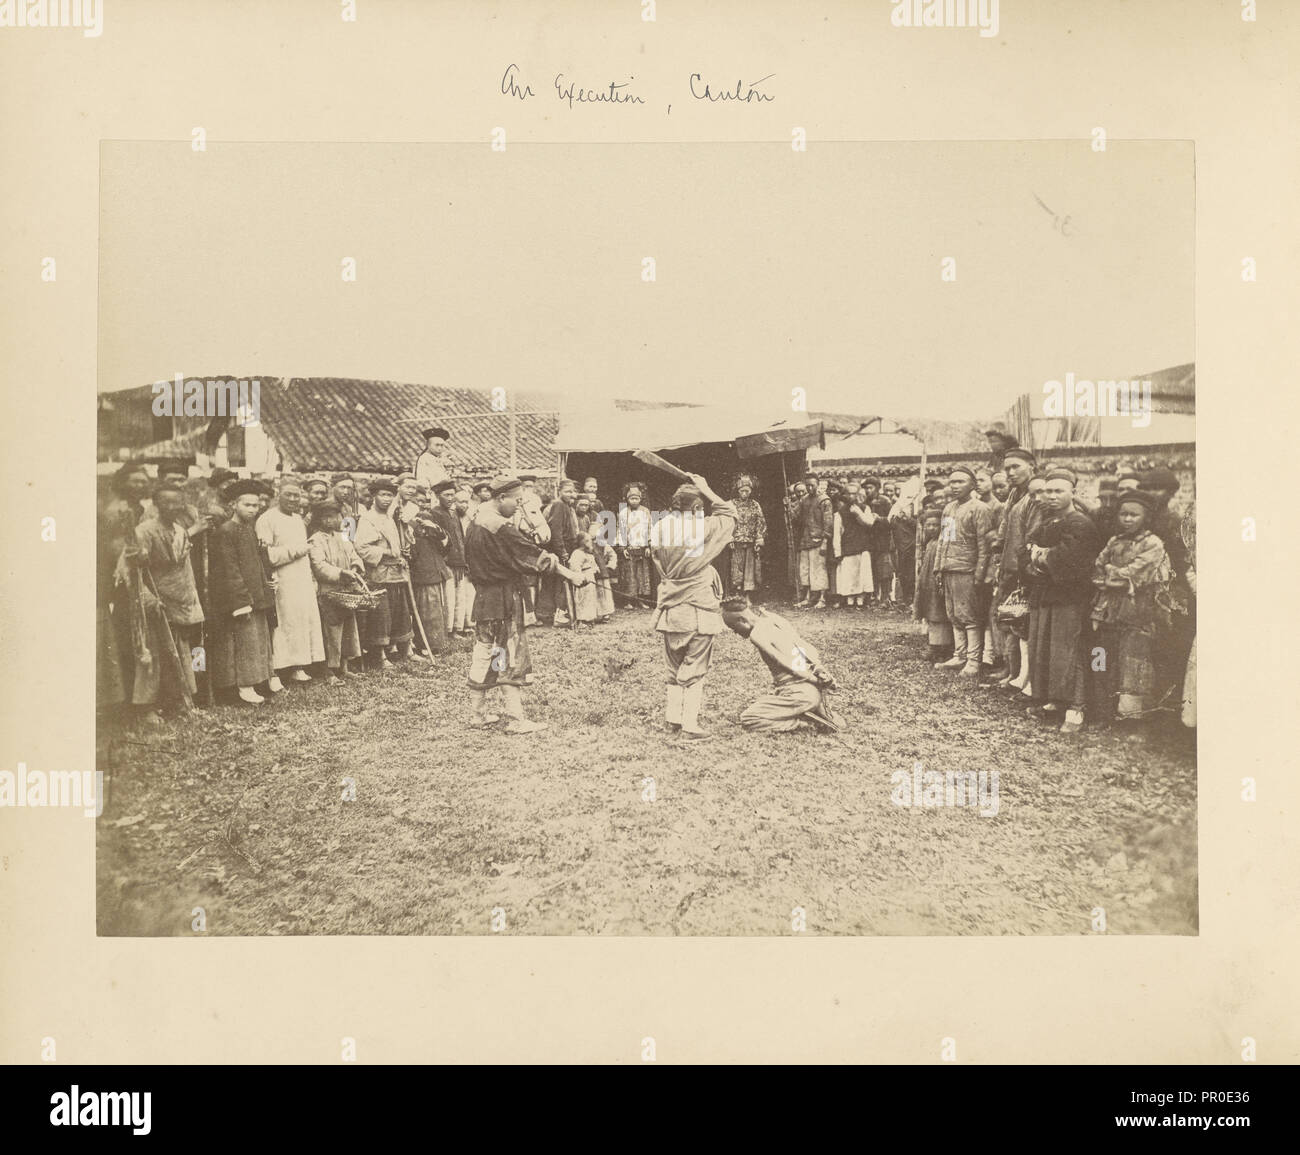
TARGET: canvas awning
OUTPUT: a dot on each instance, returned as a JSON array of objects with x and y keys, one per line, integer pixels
[{"x": 618, "y": 431}]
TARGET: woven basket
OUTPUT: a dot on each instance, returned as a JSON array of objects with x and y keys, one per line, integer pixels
[
  {"x": 362, "y": 599},
  {"x": 1015, "y": 609}
]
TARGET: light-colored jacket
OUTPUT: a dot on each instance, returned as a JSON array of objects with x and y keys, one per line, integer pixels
[{"x": 379, "y": 544}]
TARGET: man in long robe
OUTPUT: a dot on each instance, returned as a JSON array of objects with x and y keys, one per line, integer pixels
[
  {"x": 430, "y": 575},
  {"x": 297, "y": 639},
  {"x": 815, "y": 521},
  {"x": 500, "y": 559},
  {"x": 1057, "y": 558},
  {"x": 552, "y": 594},
  {"x": 1021, "y": 516},
  {"x": 239, "y": 597},
  {"x": 443, "y": 512},
  {"x": 632, "y": 542},
  {"x": 163, "y": 541},
  {"x": 121, "y": 636},
  {"x": 688, "y": 612},
  {"x": 880, "y": 544},
  {"x": 464, "y": 518}
]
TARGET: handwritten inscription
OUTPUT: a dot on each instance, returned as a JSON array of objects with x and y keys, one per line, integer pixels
[
  {"x": 510, "y": 84},
  {"x": 614, "y": 94},
  {"x": 571, "y": 92},
  {"x": 743, "y": 93}
]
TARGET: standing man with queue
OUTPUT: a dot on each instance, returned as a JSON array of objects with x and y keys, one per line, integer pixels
[{"x": 500, "y": 560}]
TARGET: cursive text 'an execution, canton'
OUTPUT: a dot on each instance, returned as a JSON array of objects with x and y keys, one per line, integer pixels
[
  {"x": 743, "y": 93},
  {"x": 569, "y": 90},
  {"x": 510, "y": 84}
]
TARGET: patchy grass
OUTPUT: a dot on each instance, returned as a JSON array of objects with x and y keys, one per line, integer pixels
[{"x": 240, "y": 811}]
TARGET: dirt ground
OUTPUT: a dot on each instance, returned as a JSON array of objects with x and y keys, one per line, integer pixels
[{"x": 240, "y": 811}]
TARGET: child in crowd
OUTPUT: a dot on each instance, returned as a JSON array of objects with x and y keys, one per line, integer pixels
[
  {"x": 1132, "y": 576},
  {"x": 582, "y": 510},
  {"x": 929, "y": 606},
  {"x": 606, "y": 566},
  {"x": 585, "y": 599}
]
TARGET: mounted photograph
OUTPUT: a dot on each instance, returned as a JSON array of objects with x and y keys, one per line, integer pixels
[{"x": 516, "y": 542}]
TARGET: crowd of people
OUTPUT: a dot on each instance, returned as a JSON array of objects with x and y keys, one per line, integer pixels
[
  {"x": 234, "y": 585},
  {"x": 1083, "y": 608}
]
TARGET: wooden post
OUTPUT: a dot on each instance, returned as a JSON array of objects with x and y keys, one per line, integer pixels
[{"x": 791, "y": 548}]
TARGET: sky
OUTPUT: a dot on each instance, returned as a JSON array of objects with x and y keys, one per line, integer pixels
[{"x": 773, "y": 270}]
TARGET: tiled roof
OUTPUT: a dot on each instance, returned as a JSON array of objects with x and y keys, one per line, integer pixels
[{"x": 321, "y": 423}]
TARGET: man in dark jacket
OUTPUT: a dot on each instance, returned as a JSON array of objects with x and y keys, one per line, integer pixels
[
  {"x": 240, "y": 596},
  {"x": 1019, "y": 519},
  {"x": 444, "y": 514},
  {"x": 1057, "y": 560},
  {"x": 500, "y": 558},
  {"x": 563, "y": 524},
  {"x": 814, "y": 521},
  {"x": 880, "y": 544}
]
